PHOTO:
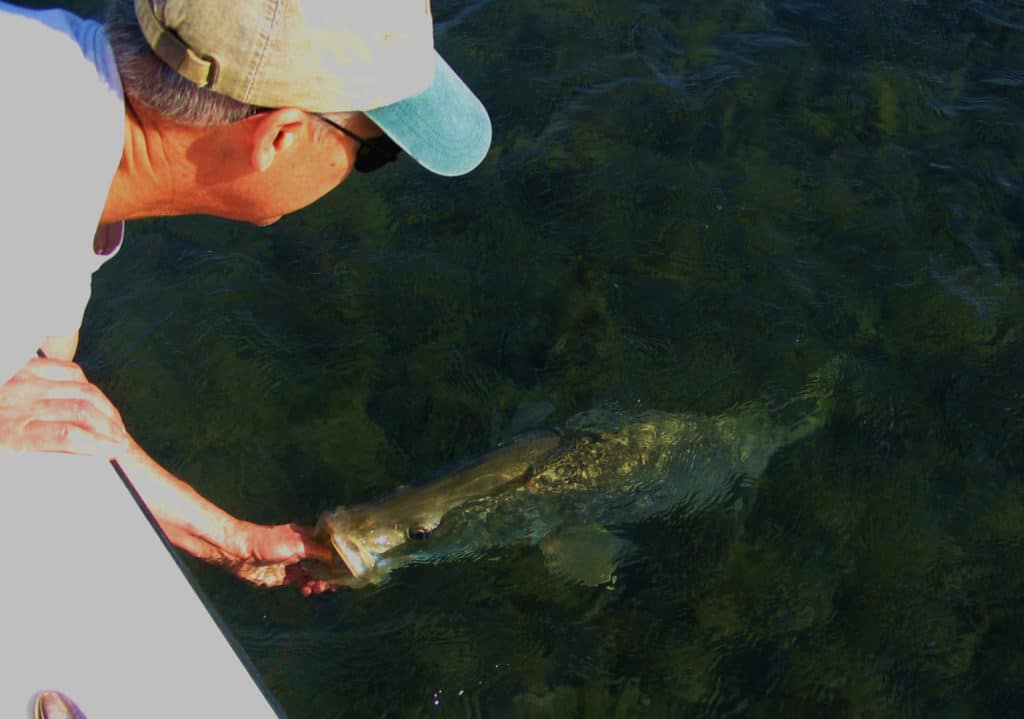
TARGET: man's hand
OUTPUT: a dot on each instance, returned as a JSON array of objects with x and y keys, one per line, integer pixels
[
  {"x": 269, "y": 556},
  {"x": 50, "y": 406}
]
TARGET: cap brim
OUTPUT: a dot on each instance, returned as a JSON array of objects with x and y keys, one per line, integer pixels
[{"x": 445, "y": 128}]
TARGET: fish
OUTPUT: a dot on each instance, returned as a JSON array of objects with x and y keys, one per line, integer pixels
[{"x": 566, "y": 490}]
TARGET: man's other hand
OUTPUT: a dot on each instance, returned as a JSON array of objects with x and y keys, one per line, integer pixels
[{"x": 50, "y": 406}]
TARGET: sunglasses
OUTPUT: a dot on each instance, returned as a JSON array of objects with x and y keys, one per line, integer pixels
[{"x": 373, "y": 153}]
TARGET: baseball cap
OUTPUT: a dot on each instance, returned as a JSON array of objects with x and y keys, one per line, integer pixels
[{"x": 329, "y": 56}]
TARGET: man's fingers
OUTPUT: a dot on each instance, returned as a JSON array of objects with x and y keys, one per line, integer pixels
[
  {"x": 289, "y": 543},
  {"x": 70, "y": 438},
  {"x": 48, "y": 406},
  {"x": 311, "y": 548},
  {"x": 297, "y": 575},
  {"x": 100, "y": 420},
  {"x": 315, "y": 587},
  {"x": 315, "y": 550},
  {"x": 75, "y": 390},
  {"x": 72, "y": 390},
  {"x": 55, "y": 370}
]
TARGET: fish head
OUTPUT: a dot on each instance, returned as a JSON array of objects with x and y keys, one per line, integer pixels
[{"x": 364, "y": 536}]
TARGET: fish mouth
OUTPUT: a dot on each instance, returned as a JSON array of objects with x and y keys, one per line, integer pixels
[
  {"x": 358, "y": 561},
  {"x": 335, "y": 527}
]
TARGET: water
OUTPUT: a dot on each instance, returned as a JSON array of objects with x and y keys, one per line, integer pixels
[{"x": 688, "y": 206}]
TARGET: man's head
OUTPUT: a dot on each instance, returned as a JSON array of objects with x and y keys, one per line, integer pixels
[{"x": 364, "y": 67}]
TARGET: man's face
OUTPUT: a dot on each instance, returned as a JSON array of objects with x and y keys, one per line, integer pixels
[{"x": 295, "y": 163}]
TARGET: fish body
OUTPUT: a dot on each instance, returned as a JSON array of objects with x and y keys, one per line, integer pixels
[{"x": 562, "y": 490}]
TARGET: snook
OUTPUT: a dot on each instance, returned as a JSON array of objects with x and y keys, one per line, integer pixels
[{"x": 561, "y": 491}]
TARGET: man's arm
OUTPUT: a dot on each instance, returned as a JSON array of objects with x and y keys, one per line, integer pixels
[
  {"x": 257, "y": 553},
  {"x": 50, "y": 406}
]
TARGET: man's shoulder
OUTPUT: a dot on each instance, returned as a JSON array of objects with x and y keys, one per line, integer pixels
[
  {"x": 40, "y": 44},
  {"x": 60, "y": 88},
  {"x": 48, "y": 15},
  {"x": 64, "y": 122},
  {"x": 55, "y": 28}
]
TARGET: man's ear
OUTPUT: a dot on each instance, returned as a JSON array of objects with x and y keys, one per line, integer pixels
[{"x": 274, "y": 132}]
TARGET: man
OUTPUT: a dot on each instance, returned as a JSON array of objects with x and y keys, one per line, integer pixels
[{"x": 244, "y": 110}]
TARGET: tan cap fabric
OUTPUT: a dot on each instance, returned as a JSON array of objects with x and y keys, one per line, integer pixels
[
  {"x": 320, "y": 55},
  {"x": 324, "y": 56}
]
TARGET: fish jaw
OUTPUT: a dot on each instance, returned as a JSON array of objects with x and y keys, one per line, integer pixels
[
  {"x": 335, "y": 527},
  {"x": 359, "y": 544},
  {"x": 358, "y": 561}
]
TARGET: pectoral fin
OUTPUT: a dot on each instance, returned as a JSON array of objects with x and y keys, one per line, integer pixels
[{"x": 587, "y": 555}]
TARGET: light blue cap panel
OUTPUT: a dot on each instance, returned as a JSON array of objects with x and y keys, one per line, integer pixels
[{"x": 445, "y": 128}]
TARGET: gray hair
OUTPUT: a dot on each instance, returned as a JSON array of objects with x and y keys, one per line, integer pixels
[{"x": 147, "y": 79}]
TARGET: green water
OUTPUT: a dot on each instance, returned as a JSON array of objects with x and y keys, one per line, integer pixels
[{"x": 687, "y": 206}]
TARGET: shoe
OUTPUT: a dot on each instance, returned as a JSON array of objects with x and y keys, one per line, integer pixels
[{"x": 52, "y": 704}]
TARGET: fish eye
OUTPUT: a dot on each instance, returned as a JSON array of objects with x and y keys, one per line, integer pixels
[{"x": 418, "y": 532}]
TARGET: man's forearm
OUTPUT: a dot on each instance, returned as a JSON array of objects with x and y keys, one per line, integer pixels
[
  {"x": 191, "y": 522},
  {"x": 49, "y": 405}
]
